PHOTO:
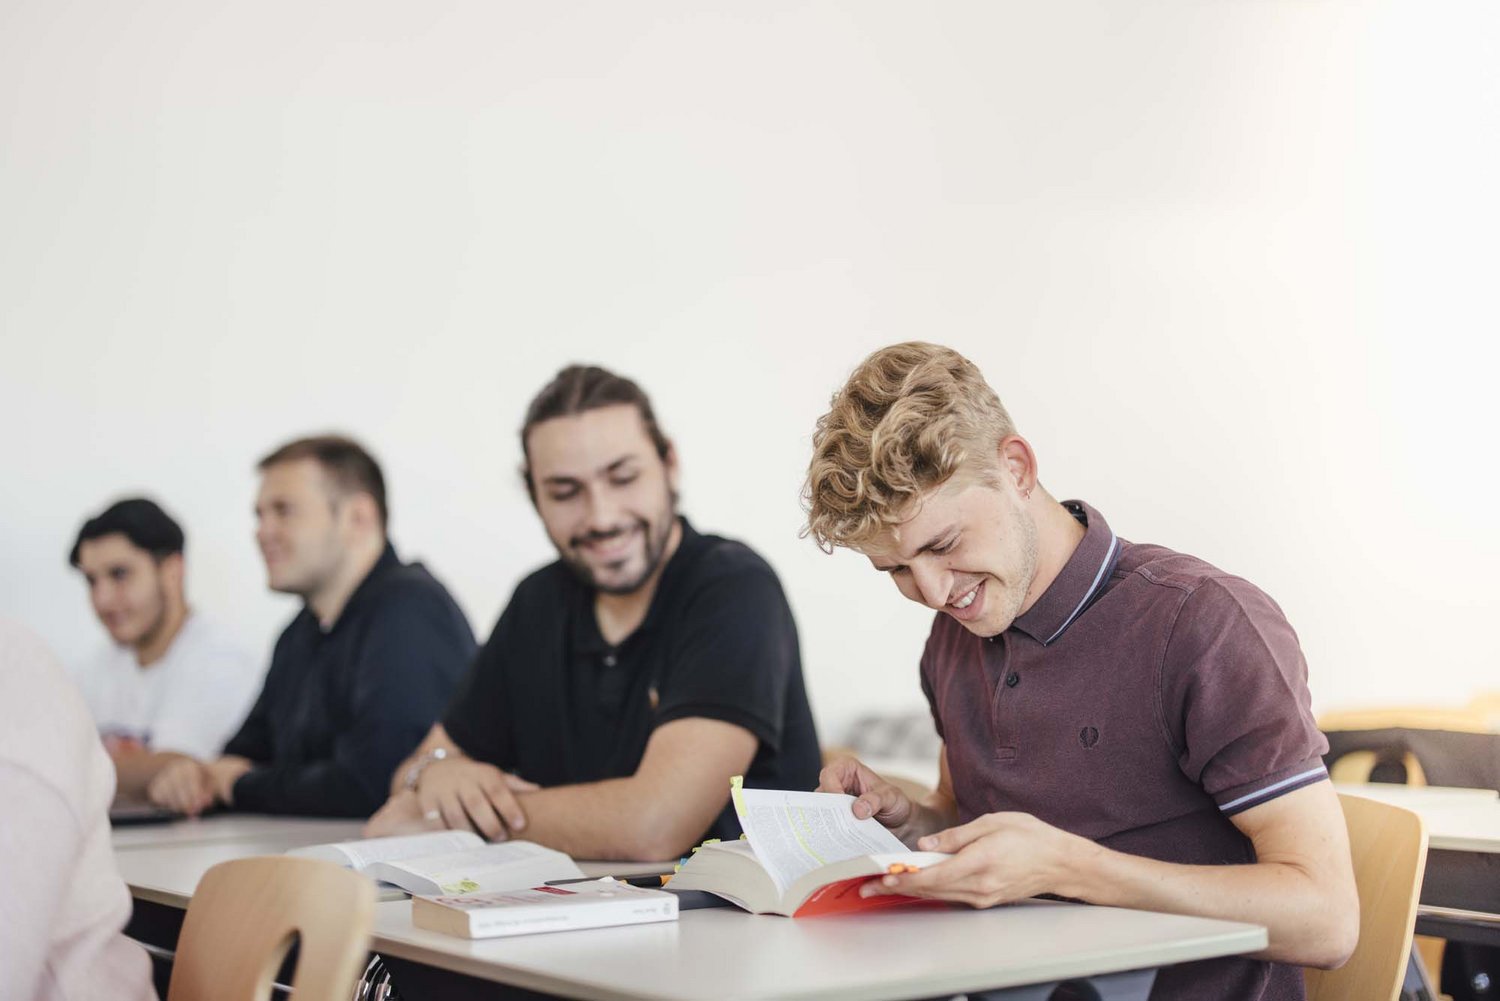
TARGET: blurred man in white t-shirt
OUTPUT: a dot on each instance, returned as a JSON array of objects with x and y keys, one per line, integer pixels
[{"x": 172, "y": 683}]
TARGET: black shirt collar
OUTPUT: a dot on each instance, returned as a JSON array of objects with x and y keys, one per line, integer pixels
[
  {"x": 1082, "y": 578},
  {"x": 388, "y": 561},
  {"x": 689, "y": 548}
]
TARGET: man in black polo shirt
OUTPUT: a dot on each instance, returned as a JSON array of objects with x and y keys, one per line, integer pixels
[
  {"x": 627, "y": 682},
  {"x": 361, "y": 672}
]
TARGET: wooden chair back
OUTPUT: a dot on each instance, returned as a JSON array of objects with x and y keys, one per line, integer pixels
[
  {"x": 1487, "y": 705},
  {"x": 246, "y": 914},
  {"x": 1460, "y": 720},
  {"x": 1356, "y": 767},
  {"x": 1389, "y": 846}
]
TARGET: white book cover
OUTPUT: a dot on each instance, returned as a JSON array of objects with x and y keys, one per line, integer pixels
[{"x": 592, "y": 904}]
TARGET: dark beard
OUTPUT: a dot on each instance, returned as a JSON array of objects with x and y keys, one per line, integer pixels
[{"x": 656, "y": 548}]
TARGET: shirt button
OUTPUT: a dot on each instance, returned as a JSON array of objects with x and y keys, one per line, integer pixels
[
  {"x": 1012, "y": 680},
  {"x": 609, "y": 660}
]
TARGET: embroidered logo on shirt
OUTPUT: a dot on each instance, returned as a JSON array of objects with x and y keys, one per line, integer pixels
[{"x": 1088, "y": 736}]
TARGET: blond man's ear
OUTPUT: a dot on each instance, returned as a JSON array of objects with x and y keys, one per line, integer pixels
[{"x": 1018, "y": 460}]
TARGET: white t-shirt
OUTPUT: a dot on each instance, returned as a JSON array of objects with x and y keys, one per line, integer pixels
[
  {"x": 62, "y": 901},
  {"x": 191, "y": 701}
]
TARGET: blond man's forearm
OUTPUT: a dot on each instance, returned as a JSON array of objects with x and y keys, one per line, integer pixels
[{"x": 1305, "y": 917}]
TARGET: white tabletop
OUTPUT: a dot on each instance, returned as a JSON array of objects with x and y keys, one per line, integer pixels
[
  {"x": 1464, "y": 820},
  {"x": 289, "y": 832},
  {"x": 724, "y": 952},
  {"x": 727, "y": 953}
]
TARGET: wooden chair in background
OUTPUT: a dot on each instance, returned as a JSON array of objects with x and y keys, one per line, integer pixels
[
  {"x": 1418, "y": 745},
  {"x": 245, "y": 916},
  {"x": 1389, "y": 847},
  {"x": 1463, "y": 719},
  {"x": 1487, "y": 706},
  {"x": 1356, "y": 767}
]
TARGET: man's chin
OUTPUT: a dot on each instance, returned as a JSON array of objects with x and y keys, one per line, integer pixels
[
  {"x": 619, "y": 581},
  {"x": 983, "y": 628}
]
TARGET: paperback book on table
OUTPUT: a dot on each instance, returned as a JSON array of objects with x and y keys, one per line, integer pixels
[
  {"x": 593, "y": 904},
  {"x": 803, "y": 854},
  {"x": 462, "y": 885}
]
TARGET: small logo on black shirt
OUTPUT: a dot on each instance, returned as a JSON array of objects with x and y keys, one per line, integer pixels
[{"x": 1088, "y": 736}]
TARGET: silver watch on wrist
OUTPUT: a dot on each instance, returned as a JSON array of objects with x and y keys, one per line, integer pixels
[{"x": 414, "y": 773}]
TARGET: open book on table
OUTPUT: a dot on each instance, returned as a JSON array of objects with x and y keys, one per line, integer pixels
[
  {"x": 804, "y": 854},
  {"x": 448, "y": 862}
]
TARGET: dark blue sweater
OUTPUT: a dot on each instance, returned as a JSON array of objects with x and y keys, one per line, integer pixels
[{"x": 340, "y": 709}]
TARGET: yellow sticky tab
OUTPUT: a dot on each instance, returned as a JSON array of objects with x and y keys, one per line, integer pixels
[{"x": 736, "y": 794}]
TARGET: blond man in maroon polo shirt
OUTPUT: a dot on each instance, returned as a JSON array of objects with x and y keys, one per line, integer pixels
[{"x": 1122, "y": 724}]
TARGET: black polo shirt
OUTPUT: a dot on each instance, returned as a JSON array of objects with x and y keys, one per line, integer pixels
[
  {"x": 548, "y": 699},
  {"x": 340, "y": 709}
]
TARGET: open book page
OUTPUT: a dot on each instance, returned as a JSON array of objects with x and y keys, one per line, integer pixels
[
  {"x": 793, "y": 833},
  {"x": 509, "y": 865},
  {"x": 358, "y": 854}
]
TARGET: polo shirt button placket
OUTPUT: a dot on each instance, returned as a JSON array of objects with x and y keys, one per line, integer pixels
[{"x": 1003, "y": 719}]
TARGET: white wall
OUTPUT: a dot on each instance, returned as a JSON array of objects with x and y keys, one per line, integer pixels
[{"x": 1231, "y": 266}]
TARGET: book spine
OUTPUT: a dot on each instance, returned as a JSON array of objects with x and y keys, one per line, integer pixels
[{"x": 525, "y": 920}]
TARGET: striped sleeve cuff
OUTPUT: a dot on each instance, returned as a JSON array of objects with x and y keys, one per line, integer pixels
[{"x": 1279, "y": 783}]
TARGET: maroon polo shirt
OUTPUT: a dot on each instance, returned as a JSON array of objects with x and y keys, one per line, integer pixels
[{"x": 1143, "y": 700}]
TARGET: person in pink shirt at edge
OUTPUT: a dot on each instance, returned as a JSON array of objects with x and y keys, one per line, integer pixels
[{"x": 62, "y": 901}]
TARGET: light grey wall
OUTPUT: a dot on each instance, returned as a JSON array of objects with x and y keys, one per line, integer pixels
[{"x": 1231, "y": 266}]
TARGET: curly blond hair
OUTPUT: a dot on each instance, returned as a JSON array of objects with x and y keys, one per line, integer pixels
[{"x": 909, "y": 418}]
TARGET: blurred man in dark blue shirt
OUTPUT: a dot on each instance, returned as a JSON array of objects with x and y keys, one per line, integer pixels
[{"x": 359, "y": 675}]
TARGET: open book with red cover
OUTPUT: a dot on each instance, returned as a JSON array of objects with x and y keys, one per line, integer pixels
[{"x": 803, "y": 854}]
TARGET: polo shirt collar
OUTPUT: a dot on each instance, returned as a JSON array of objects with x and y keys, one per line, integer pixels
[
  {"x": 685, "y": 555},
  {"x": 387, "y": 561},
  {"x": 1082, "y": 579}
]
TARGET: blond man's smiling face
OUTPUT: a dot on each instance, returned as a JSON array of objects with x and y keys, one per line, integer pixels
[{"x": 968, "y": 549}]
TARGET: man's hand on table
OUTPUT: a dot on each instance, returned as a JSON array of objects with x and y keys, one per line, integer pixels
[
  {"x": 190, "y": 786},
  {"x": 460, "y": 794},
  {"x": 183, "y": 785},
  {"x": 224, "y": 773}
]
